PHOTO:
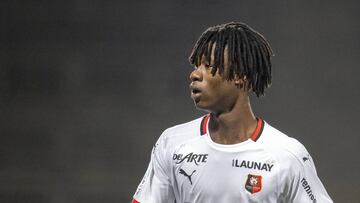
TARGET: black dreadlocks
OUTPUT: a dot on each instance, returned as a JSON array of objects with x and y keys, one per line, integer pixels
[{"x": 249, "y": 54}]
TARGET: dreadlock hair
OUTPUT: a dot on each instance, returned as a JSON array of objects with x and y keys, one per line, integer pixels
[{"x": 249, "y": 54}]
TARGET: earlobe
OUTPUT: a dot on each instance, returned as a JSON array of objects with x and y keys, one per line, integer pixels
[{"x": 240, "y": 82}]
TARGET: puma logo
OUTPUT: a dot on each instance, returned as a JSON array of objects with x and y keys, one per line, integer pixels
[
  {"x": 306, "y": 158},
  {"x": 188, "y": 176}
]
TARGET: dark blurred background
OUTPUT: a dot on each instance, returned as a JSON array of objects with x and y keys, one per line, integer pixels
[{"x": 86, "y": 88}]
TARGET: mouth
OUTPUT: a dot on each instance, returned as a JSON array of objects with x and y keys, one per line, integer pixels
[
  {"x": 195, "y": 93},
  {"x": 194, "y": 89}
]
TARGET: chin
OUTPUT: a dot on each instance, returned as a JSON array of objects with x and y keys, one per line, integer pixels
[{"x": 201, "y": 106}]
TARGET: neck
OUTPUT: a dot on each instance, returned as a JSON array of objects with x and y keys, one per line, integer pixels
[{"x": 234, "y": 125}]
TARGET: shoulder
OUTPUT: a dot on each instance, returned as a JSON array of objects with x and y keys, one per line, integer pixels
[
  {"x": 285, "y": 148},
  {"x": 180, "y": 133},
  {"x": 191, "y": 127},
  {"x": 172, "y": 138}
]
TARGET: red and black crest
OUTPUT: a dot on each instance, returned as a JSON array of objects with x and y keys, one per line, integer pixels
[{"x": 253, "y": 183}]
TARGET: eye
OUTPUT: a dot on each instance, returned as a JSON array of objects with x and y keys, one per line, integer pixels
[
  {"x": 208, "y": 66},
  {"x": 211, "y": 67}
]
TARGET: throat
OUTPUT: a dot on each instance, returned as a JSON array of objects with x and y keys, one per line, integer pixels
[{"x": 231, "y": 130}]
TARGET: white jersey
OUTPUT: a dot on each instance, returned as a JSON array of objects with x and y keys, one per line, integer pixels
[{"x": 188, "y": 167}]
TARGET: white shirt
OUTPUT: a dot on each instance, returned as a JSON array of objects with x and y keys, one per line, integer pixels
[{"x": 186, "y": 166}]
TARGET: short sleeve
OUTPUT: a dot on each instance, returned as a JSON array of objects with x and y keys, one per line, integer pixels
[
  {"x": 155, "y": 186},
  {"x": 302, "y": 184}
]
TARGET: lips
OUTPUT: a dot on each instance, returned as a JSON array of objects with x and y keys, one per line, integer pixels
[
  {"x": 195, "y": 92},
  {"x": 194, "y": 89}
]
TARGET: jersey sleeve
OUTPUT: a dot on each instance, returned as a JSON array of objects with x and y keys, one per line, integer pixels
[
  {"x": 302, "y": 184},
  {"x": 156, "y": 186}
]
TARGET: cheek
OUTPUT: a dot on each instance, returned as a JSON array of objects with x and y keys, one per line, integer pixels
[{"x": 221, "y": 90}]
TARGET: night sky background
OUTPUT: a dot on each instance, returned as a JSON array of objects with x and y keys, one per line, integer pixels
[{"x": 86, "y": 88}]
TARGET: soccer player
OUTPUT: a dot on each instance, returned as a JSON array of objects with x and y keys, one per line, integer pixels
[{"x": 229, "y": 155}]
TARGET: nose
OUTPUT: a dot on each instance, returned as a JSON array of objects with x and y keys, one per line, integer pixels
[{"x": 196, "y": 75}]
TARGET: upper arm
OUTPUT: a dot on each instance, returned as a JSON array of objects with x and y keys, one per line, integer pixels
[
  {"x": 156, "y": 186},
  {"x": 301, "y": 182}
]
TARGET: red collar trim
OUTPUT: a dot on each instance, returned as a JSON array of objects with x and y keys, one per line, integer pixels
[
  {"x": 203, "y": 124},
  {"x": 259, "y": 128},
  {"x": 255, "y": 136}
]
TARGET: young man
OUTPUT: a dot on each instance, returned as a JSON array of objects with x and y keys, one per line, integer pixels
[{"x": 229, "y": 155}]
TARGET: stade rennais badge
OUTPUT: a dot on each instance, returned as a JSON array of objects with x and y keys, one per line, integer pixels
[{"x": 253, "y": 183}]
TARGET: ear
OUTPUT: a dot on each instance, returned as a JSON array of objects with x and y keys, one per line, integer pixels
[{"x": 240, "y": 82}]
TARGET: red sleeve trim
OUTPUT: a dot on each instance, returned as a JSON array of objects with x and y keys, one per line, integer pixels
[{"x": 134, "y": 201}]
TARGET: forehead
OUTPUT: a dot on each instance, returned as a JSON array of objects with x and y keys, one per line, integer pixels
[{"x": 211, "y": 58}]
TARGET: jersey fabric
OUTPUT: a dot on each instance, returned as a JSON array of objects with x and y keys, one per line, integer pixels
[{"x": 186, "y": 166}]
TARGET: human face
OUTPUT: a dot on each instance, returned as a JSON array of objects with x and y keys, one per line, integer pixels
[{"x": 212, "y": 93}]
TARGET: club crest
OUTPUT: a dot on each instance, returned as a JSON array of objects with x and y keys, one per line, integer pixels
[{"x": 253, "y": 183}]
